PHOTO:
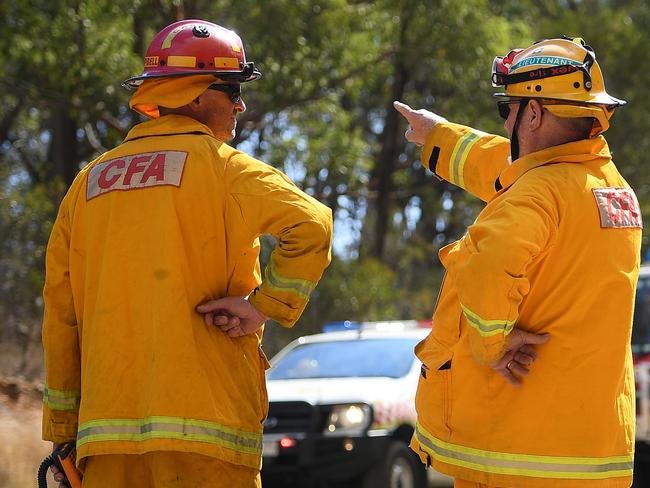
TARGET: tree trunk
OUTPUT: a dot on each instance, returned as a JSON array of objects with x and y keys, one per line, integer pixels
[
  {"x": 63, "y": 151},
  {"x": 385, "y": 162}
]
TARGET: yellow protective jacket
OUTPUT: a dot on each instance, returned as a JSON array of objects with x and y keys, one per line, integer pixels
[
  {"x": 555, "y": 250},
  {"x": 149, "y": 230}
]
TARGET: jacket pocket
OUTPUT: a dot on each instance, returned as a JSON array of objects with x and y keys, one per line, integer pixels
[
  {"x": 264, "y": 396},
  {"x": 433, "y": 401}
]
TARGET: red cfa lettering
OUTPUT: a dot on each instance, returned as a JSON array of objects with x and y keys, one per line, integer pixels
[
  {"x": 136, "y": 166},
  {"x": 136, "y": 171},
  {"x": 104, "y": 180},
  {"x": 618, "y": 207},
  {"x": 155, "y": 170}
]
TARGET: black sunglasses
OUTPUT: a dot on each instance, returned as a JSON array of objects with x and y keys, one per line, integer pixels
[
  {"x": 233, "y": 91},
  {"x": 504, "y": 107}
]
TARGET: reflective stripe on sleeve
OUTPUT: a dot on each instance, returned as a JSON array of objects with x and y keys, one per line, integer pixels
[
  {"x": 484, "y": 327},
  {"x": 273, "y": 280},
  {"x": 61, "y": 399},
  {"x": 138, "y": 430},
  {"x": 459, "y": 156},
  {"x": 566, "y": 467}
]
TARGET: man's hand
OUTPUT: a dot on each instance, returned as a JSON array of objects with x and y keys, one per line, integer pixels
[
  {"x": 520, "y": 354},
  {"x": 420, "y": 122},
  {"x": 233, "y": 315}
]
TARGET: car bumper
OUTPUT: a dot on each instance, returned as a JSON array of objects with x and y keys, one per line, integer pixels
[{"x": 321, "y": 457}]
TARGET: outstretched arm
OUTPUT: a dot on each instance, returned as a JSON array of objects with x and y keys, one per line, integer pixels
[{"x": 465, "y": 157}]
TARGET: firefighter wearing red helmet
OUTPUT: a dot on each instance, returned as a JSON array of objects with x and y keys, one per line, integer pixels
[
  {"x": 545, "y": 275},
  {"x": 192, "y": 47},
  {"x": 154, "y": 297}
]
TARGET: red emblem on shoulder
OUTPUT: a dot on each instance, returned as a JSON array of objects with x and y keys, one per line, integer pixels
[
  {"x": 136, "y": 171},
  {"x": 618, "y": 208}
]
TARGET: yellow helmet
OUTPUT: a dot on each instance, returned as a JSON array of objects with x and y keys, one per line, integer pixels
[{"x": 558, "y": 70}]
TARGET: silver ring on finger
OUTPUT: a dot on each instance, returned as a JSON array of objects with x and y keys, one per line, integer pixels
[{"x": 509, "y": 365}]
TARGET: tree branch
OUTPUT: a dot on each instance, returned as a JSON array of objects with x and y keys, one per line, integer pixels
[
  {"x": 93, "y": 139},
  {"x": 7, "y": 122},
  {"x": 32, "y": 171}
]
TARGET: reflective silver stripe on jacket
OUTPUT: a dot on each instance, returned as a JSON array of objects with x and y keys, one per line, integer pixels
[
  {"x": 524, "y": 464},
  {"x": 61, "y": 399},
  {"x": 137, "y": 430}
]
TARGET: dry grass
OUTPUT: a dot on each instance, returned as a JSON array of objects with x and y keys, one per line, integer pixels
[{"x": 21, "y": 447}]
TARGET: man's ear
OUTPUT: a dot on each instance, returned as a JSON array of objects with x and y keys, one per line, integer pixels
[{"x": 536, "y": 114}]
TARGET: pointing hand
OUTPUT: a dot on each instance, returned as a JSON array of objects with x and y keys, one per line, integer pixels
[{"x": 420, "y": 122}]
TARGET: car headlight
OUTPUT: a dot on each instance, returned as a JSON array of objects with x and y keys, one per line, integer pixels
[{"x": 348, "y": 419}]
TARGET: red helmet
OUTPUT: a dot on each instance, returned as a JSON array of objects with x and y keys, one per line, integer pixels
[{"x": 196, "y": 47}]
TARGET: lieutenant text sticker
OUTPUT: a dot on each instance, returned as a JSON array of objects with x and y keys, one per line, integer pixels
[
  {"x": 618, "y": 207},
  {"x": 136, "y": 171}
]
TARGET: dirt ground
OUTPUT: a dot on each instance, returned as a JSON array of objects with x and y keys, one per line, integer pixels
[{"x": 21, "y": 447}]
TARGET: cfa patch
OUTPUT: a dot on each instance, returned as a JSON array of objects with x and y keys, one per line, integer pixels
[
  {"x": 136, "y": 171},
  {"x": 618, "y": 208}
]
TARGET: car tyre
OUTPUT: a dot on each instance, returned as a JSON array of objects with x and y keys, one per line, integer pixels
[{"x": 401, "y": 469}]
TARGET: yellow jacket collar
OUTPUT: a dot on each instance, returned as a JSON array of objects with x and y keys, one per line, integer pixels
[
  {"x": 168, "y": 125},
  {"x": 571, "y": 152}
]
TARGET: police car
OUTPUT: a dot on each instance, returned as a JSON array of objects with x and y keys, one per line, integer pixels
[{"x": 341, "y": 409}]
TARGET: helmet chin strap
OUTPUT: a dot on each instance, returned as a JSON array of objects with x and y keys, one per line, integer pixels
[{"x": 514, "y": 138}]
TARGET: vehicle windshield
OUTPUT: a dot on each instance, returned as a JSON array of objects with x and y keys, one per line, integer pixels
[
  {"x": 641, "y": 329},
  {"x": 390, "y": 358}
]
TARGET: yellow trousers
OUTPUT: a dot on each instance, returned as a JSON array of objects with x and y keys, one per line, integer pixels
[
  {"x": 163, "y": 469},
  {"x": 470, "y": 484}
]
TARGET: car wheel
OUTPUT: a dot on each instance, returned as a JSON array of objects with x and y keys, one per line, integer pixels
[
  {"x": 641, "y": 465},
  {"x": 401, "y": 469}
]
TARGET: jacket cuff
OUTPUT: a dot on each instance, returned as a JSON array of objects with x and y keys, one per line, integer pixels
[
  {"x": 438, "y": 146},
  {"x": 274, "y": 309},
  {"x": 59, "y": 428}
]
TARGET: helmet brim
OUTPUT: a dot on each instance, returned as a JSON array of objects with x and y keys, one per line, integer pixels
[
  {"x": 600, "y": 99},
  {"x": 236, "y": 76}
]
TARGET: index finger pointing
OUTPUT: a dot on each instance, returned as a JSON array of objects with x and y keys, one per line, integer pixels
[{"x": 404, "y": 109}]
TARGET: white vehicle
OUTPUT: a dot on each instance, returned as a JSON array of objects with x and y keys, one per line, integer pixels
[
  {"x": 641, "y": 355},
  {"x": 341, "y": 409}
]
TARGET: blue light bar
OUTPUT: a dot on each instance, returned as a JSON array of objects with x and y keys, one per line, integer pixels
[{"x": 341, "y": 325}]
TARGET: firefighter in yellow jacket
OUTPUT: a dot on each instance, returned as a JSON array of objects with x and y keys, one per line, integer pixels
[
  {"x": 156, "y": 391},
  {"x": 546, "y": 274}
]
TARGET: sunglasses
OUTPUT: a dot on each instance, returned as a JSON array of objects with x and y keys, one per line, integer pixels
[
  {"x": 233, "y": 91},
  {"x": 504, "y": 107}
]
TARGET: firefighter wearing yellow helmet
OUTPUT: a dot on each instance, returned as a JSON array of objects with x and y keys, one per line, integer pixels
[
  {"x": 154, "y": 300},
  {"x": 564, "y": 74},
  {"x": 527, "y": 377}
]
